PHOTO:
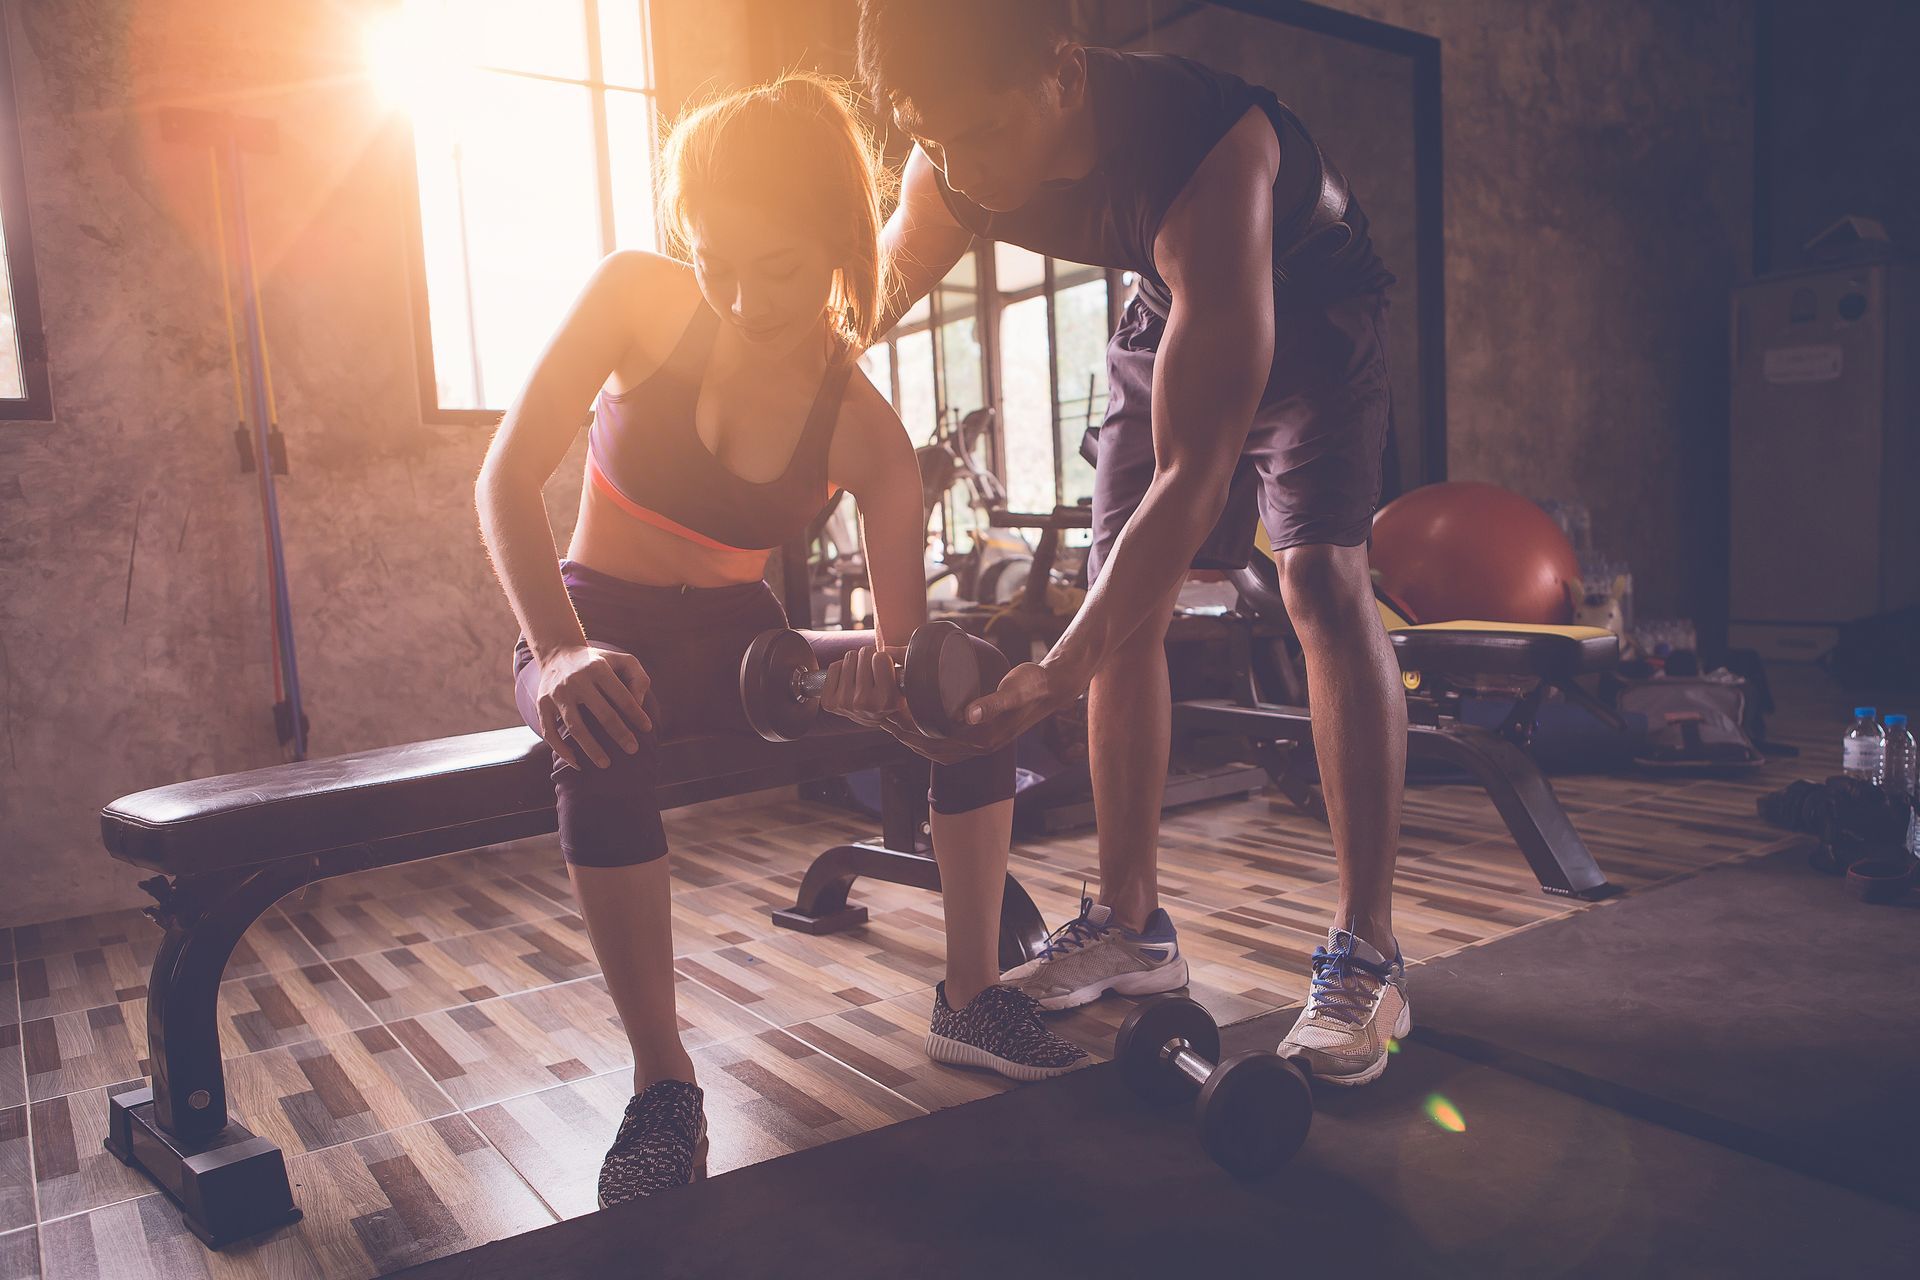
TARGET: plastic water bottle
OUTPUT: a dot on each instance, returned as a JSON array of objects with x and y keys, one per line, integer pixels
[
  {"x": 1902, "y": 757},
  {"x": 1863, "y": 752}
]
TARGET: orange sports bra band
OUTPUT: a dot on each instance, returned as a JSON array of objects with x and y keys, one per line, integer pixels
[{"x": 645, "y": 516}]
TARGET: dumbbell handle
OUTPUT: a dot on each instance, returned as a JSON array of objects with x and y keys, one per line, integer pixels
[
  {"x": 811, "y": 684},
  {"x": 1186, "y": 1061}
]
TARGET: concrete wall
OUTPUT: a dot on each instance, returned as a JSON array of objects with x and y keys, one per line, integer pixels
[
  {"x": 1599, "y": 182},
  {"x": 134, "y": 641}
]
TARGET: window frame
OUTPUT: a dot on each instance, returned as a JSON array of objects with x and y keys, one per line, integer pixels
[
  {"x": 30, "y": 335},
  {"x": 431, "y": 411},
  {"x": 989, "y": 302}
]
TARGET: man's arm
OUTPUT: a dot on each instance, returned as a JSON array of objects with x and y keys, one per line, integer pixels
[
  {"x": 921, "y": 238},
  {"x": 1215, "y": 250}
]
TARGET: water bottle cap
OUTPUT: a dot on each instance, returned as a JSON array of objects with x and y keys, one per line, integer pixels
[
  {"x": 1863, "y": 713},
  {"x": 1895, "y": 721}
]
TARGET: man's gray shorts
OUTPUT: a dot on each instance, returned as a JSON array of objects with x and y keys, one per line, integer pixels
[{"x": 1310, "y": 471}]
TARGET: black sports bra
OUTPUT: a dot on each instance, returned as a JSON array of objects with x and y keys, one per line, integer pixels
[{"x": 644, "y": 454}]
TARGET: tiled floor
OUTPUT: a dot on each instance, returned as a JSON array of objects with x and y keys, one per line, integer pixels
[{"x": 432, "y": 1046}]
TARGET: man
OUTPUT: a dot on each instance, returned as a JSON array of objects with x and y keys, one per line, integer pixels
[{"x": 1247, "y": 378}]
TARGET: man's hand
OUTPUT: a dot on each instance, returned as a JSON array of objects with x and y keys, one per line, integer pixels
[{"x": 1027, "y": 695}]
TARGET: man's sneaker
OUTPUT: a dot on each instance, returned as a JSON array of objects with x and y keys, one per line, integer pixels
[
  {"x": 1090, "y": 955},
  {"x": 1358, "y": 1002},
  {"x": 1000, "y": 1029},
  {"x": 662, "y": 1143}
]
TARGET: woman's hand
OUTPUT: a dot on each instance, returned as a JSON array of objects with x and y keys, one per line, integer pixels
[
  {"x": 583, "y": 685},
  {"x": 864, "y": 686}
]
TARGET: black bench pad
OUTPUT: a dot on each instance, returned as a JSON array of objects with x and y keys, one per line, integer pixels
[
  {"x": 1499, "y": 649},
  {"x": 425, "y": 798}
]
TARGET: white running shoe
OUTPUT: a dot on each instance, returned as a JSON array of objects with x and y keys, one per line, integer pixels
[
  {"x": 1358, "y": 1003},
  {"x": 1090, "y": 955}
]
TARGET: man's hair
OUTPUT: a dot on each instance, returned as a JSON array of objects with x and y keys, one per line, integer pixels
[{"x": 908, "y": 48}]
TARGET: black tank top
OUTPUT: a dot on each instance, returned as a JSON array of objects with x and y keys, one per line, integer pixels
[
  {"x": 1156, "y": 116},
  {"x": 644, "y": 453}
]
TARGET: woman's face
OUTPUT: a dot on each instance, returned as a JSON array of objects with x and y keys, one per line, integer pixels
[{"x": 762, "y": 274}]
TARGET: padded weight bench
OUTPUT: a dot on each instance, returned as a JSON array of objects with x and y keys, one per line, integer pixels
[
  {"x": 228, "y": 848},
  {"x": 1435, "y": 661}
]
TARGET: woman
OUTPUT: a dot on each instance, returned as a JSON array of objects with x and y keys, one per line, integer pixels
[{"x": 728, "y": 408}]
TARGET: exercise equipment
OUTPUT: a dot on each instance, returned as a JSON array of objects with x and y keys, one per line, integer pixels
[
  {"x": 1253, "y": 1109},
  {"x": 1462, "y": 549},
  {"x": 1437, "y": 662},
  {"x": 263, "y": 450},
  {"x": 781, "y": 681}
]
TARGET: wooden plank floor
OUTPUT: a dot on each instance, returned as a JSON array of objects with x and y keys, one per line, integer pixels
[{"x": 434, "y": 1050}]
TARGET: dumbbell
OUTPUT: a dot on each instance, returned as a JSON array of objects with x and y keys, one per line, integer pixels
[
  {"x": 781, "y": 681},
  {"x": 1253, "y": 1110}
]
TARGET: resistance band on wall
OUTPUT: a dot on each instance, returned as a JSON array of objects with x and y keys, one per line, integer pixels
[{"x": 225, "y": 134}]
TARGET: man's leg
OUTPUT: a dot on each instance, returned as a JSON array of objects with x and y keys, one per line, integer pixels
[
  {"x": 1358, "y": 999},
  {"x": 1129, "y": 735},
  {"x": 1359, "y": 725},
  {"x": 1121, "y": 941}
]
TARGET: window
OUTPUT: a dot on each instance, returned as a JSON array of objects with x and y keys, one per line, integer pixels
[
  {"x": 533, "y": 134},
  {"x": 25, "y": 395}
]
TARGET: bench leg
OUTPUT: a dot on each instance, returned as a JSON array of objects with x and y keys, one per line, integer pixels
[
  {"x": 1534, "y": 815},
  {"x": 228, "y": 1182},
  {"x": 821, "y": 906}
]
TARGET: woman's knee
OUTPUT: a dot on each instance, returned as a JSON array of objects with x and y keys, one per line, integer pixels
[
  {"x": 975, "y": 783},
  {"x": 610, "y": 817}
]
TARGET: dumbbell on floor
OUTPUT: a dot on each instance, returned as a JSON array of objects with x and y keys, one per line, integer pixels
[
  {"x": 1253, "y": 1110},
  {"x": 781, "y": 681}
]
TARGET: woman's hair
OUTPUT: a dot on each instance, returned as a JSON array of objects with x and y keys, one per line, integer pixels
[{"x": 798, "y": 147}]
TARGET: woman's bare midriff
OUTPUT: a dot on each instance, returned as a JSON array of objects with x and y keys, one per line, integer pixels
[{"x": 609, "y": 540}]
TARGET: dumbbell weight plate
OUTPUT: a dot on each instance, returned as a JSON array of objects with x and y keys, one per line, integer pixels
[
  {"x": 943, "y": 676},
  {"x": 1147, "y": 1030},
  {"x": 766, "y": 685},
  {"x": 1254, "y": 1112}
]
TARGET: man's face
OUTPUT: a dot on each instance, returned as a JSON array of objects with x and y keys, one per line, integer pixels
[{"x": 995, "y": 146}]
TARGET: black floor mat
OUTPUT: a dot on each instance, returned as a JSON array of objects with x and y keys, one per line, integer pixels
[
  {"x": 1074, "y": 1178},
  {"x": 1758, "y": 1005}
]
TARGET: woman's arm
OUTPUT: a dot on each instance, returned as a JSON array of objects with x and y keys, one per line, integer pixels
[
  {"x": 884, "y": 479},
  {"x": 529, "y": 444},
  {"x": 875, "y": 463}
]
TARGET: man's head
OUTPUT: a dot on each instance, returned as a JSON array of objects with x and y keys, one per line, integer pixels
[{"x": 985, "y": 86}]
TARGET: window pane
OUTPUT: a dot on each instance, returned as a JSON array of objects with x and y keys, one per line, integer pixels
[
  {"x": 623, "y": 43},
  {"x": 915, "y": 314},
  {"x": 1028, "y": 427},
  {"x": 876, "y": 363},
  {"x": 1015, "y": 268},
  {"x": 13, "y": 383},
  {"x": 916, "y": 385},
  {"x": 548, "y": 37},
  {"x": 630, "y": 148},
  {"x": 510, "y": 222},
  {"x": 1080, "y": 371},
  {"x": 961, "y": 389}
]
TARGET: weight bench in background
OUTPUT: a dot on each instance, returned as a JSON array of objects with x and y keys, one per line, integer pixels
[
  {"x": 1434, "y": 660},
  {"x": 228, "y": 848}
]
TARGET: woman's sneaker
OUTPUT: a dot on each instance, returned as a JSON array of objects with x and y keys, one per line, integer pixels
[
  {"x": 1357, "y": 1004},
  {"x": 999, "y": 1029},
  {"x": 1090, "y": 955},
  {"x": 662, "y": 1144}
]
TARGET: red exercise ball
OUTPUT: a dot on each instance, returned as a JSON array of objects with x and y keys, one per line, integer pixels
[{"x": 1465, "y": 550}]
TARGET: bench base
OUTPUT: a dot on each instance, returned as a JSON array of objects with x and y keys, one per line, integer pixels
[
  {"x": 840, "y": 921},
  {"x": 228, "y": 1187}
]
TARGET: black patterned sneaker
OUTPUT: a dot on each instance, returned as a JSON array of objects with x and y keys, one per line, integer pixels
[
  {"x": 999, "y": 1029},
  {"x": 662, "y": 1144}
]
